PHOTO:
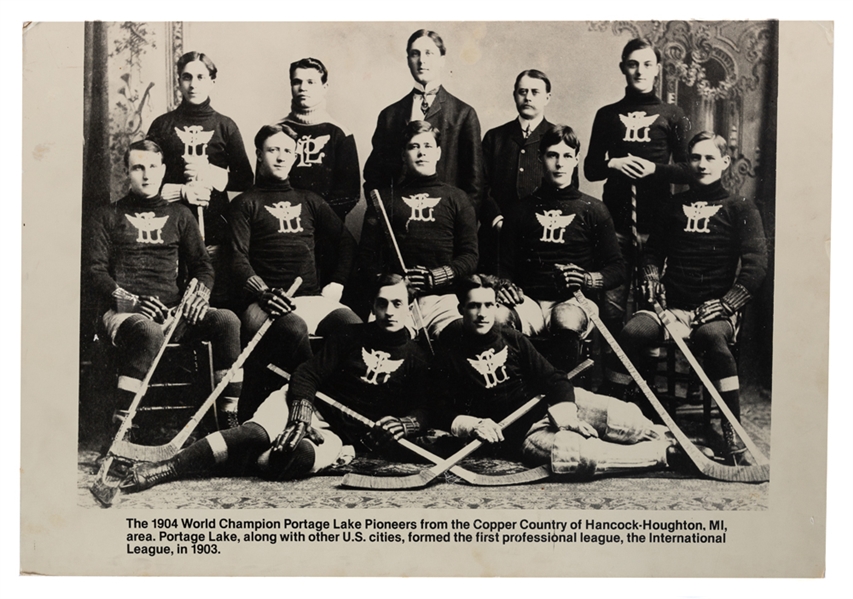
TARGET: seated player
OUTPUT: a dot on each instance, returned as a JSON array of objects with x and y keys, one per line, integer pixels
[
  {"x": 554, "y": 242},
  {"x": 487, "y": 371},
  {"x": 274, "y": 232},
  {"x": 711, "y": 250},
  {"x": 374, "y": 369},
  {"x": 135, "y": 248},
  {"x": 435, "y": 227}
]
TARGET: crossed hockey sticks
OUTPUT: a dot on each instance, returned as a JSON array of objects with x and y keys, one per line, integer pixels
[
  {"x": 101, "y": 489},
  {"x": 667, "y": 319},
  {"x": 711, "y": 469},
  {"x": 379, "y": 206},
  {"x": 473, "y": 478}
]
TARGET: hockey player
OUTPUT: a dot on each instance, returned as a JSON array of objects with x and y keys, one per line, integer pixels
[
  {"x": 554, "y": 242},
  {"x": 631, "y": 147},
  {"x": 205, "y": 158},
  {"x": 274, "y": 233},
  {"x": 375, "y": 369},
  {"x": 433, "y": 223},
  {"x": 456, "y": 121},
  {"x": 135, "y": 248},
  {"x": 488, "y": 371},
  {"x": 705, "y": 259}
]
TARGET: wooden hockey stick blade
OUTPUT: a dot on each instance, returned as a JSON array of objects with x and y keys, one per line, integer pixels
[
  {"x": 424, "y": 477},
  {"x": 158, "y": 453},
  {"x": 106, "y": 494},
  {"x": 666, "y": 319},
  {"x": 711, "y": 469}
]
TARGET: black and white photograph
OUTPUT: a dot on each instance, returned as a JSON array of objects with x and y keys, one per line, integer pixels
[{"x": 414, "y": 286}]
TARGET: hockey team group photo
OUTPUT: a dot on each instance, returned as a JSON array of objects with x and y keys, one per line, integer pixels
[{"x": 446, "y": 265}]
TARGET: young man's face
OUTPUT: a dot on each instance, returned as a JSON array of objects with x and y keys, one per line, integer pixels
[
  {"x": 706, "y": 162},
  {"x": 425, "y": 60},
  {"x": 422, "y": 154},
  {"x": 391, "y": 307},
  {"x": 640, "y": 69},
  {"x": 560, "y": 162},
  {"x": 145, "y": 171},
  {"x": 195, "y": 82},
  {"x": 307, "y": 87},
  {"x": 478, "y": 312},
  {"x": 530, "y": 97},
  {"x": 277, "y": 156}
]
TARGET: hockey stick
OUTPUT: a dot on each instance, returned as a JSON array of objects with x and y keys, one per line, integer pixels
[
  {"x": 379, "y": 206},
  {"x": 711, "y": 469},
  {"x": 667, "y": 320},
  {"x": 158, "y": 453},
  {"x": 201, "y": 222},
  {"x": 101, "y": 489},
  {"x": 473, "y": 478}
]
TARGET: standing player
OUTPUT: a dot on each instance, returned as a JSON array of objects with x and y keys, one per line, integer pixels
[
  {"x": 711, "y": 250},
  {"x": 274, "y": 232},
  {"x": 631, "y": 146},
  {"x": 554, "y": 242},
  {"x": 136, "y": 247},
  {"x": 456, "y": 121}
]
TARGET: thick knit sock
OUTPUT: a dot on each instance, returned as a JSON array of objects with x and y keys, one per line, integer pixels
[
  {"x": 232, "y": 448},
  {"x": 641, "y": 333},
  {"x": 226, "y": 404},
  {"x": 566, "y": 351},
  {"x": 222, "y": 328}
]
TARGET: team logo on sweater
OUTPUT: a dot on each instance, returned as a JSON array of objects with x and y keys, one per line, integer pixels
[
  {"x": 699, "y": 213},
  {"x": 422, "y": 207},
  {"x": 195, "y": 141},
  {"x": 309, "y": 149},
  {"x": 149, "y": 227},
  {"x": 379, "y": 367},
  {"x": 637, "y": 125},
  {"x": 554, "y": 224},
  {"x": 491, "y": 366},
  {"x": 288, "y": 215}
]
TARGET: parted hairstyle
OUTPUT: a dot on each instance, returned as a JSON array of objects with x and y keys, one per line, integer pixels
[
  {"x": 638, "y": 43},
  {"x": 719, "y": 142},
  {"x": 418, "y": 127},
  {"x": 466, "y": 284},
  {"x": 189, "y": 57},
  {"x": 268, "y": 131},
  {"x": 310, "y": 63},
  {"x": 535, "y": 74},
  {"x": 391, "y": 279},
  {"x": 145, "y": 145},
  {"x": 557, "y": 134},
  {"x": 426, "y": 33}
]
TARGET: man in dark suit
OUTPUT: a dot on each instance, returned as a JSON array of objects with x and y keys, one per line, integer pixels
[{"x": 461, "y": 161}]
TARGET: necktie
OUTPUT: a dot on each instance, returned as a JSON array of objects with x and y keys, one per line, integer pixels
[
  {"x": 526, "y": 131},
  {"x": 424, "y": 101}
]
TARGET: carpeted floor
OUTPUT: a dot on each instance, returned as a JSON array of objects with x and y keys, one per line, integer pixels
[{"x": 648, "y": 491}]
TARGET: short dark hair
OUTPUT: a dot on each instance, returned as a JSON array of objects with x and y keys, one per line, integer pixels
[
  {"x": 535, "y": 74},
  {"x": 469, "y": 283},
  {"x": 310, "y": 63},
  {"x": 560, "y": 133},
  {"x": 389, "y": 280},
  {"x": 719, "y": 141},
  {"x": 418, "y": 127},
  {"x": 145, "y": 145},
  {"x": 268, "y": 131},
  {"x": 638, "y": 43},
  {"x": 426, "y": 33},
  {"x": 189, "y": 57}
]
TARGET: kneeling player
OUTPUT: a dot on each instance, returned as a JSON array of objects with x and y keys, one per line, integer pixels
[
  {"x": 488, "y": 371},
  {"x": 374, "y": 369}
]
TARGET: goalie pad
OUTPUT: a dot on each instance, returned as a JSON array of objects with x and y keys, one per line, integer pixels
[{"x": 615, "y": 420}]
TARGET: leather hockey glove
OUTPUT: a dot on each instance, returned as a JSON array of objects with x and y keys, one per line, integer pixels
[
  {"x": 508, "y": 293},
  {"x": 718, "y": 309},
  {"x": 273, "y": 301},
  {"x": 426, "y": 280},
  {"x": 569, "y": 277},
  {"x": 653, "y": 289},
  {"x": 196, "y": 308},
  {"x": 298, "y": 427},
  {"x": 153, "y": 308},
  {"x": 391, "y": 428}
]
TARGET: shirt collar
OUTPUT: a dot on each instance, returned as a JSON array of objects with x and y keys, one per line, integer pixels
[
  {"x": 433, "y": 87},
  {"x": 533, "y": 124}
]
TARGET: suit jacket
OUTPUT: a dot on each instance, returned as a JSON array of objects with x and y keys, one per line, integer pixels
[{"x": 461, "y": 160}]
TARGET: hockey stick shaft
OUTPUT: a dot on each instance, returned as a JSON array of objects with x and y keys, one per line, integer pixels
[
  {"x": 158, "y": 453},
  {"x": 666, "y": 318}
]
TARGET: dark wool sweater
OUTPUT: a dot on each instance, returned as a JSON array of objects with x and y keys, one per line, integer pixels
[
  {"x": 434, "y": 224},
  {"x": 702, "y": 253},
  {"x": 558, "y": 226},
  {"x": 225, "y": 150},
  {"x": 327, "y": 163},
  {"x": 138, "y": 244},
  {"x": 655, "y": 139},
  {"x": 368, "y": 369},
  {"x": 274, "y": 231},
  {"x": 489, "y": 376}
]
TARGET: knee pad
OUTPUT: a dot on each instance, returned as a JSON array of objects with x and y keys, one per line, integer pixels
[
  {"x": 626, "y": 423},
  {"x": 581, "y": 457}
]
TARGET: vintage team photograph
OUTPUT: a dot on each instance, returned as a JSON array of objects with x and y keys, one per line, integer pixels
[{"x": 450, "y": 265}]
